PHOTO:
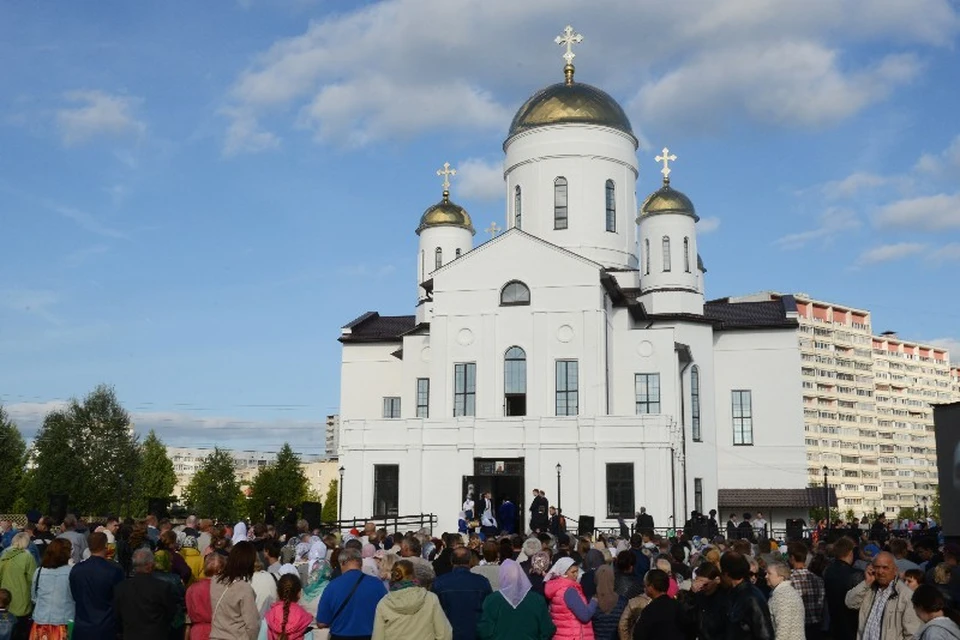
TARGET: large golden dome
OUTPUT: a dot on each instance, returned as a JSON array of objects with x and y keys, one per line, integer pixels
[
  {"x": 446, "y": 213},
  {"x": 666, "y": 199},
  {"x": 571, "y": 102}
]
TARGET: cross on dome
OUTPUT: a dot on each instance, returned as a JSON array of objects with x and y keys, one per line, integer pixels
[
  {"x": 666, "y": 158},
  {"x": 493, "y": 230},
  {"x": 567, "y": 39},
  {"x": 446, "y": 172}
]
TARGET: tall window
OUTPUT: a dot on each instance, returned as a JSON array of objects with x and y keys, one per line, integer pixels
[
  {"x": 391, "y": 408},
  {"x": 666, "y": 253},
  {"x": 620, "y": 489},
  {"x": 646, "y": 256},
  {"x": 695, "y": 403},
  {"x": 686, "y": 255},
  {"x": 457, "y": 254},
  {"x": 515, "y": 382},
  {"x": 647, "y": 386},
  {"x": 438, "y": 258},
  {"x": 423, "y": 397},
  {"x": 560, "y": 203},
  {"x": 517, "y": 212},
  {"x": 568, "y": 384},
  {"x": 611, "y": 206},
  {"x": 514, "y": 294},
  {"x": 698, "y": 494},
  {"x": 742, "y": 418},
  {"x": 465, "y": 389},
  {"x": 386, "y": 490}
]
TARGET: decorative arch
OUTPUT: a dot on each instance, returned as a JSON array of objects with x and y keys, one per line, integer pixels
[{"x": 514, "y": 294}]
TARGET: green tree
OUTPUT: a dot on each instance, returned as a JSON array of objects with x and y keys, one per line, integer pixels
[
  {"x": 935, "y": 504},
  {"x": 155, "y": 477},
  {"x": 908, "y": 513},
  {"x": 214, "y": 491},
  {"x": 112, "y": 454},
  {"x": 282, "y": 483},
  {"x": 331, "y": 505},
  {"x": 59, "y": 466},
  {"x": 13, "y": 452},
  {"x": 817, "y": 514}
]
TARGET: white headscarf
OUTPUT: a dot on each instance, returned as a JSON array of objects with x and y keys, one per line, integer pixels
[
  {"x": 239, "y": 533},
  {"x": 514, "y": 583},
  {"x": 289, "y": 570},
  {"x": 559, "y": 568},
  {"x": 318, "y": 551}
]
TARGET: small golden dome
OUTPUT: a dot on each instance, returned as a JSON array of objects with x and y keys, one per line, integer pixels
[
  {"x": 666, "y": 199},
  {"x": 571, "y": 102},
  {"x": 446, "y": 213}
]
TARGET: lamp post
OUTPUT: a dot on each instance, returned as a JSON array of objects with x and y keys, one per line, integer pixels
[
  {"x": 559, "y": 470},
  {"x": 340, "y": 512},
  {"x": 826, "y": 496},
  {"x": 925, "y": 507}
]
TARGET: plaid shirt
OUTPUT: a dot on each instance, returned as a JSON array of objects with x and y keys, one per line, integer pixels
[{"x": 810, "y": 587}]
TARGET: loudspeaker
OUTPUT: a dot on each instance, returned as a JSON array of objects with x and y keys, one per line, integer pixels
[
  {"x": 794, "y": 530},
  {"x": 58, "y": 507},
  {"x": 310, "y": 511},
  {"x": 587, "y": 525},
  {"x": 157, "y": 507}
]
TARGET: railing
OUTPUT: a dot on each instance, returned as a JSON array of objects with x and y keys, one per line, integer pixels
[{"x": 391, "y": 523}]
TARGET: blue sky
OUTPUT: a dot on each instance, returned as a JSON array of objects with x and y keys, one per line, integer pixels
[{"x": 195, "y": 196}]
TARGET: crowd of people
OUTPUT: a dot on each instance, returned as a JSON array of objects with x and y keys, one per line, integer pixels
[{"x": 200, "y": 580}]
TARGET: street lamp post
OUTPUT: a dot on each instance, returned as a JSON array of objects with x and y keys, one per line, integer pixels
[
  {"x": 826, "y": 496},
  {"x": 559, "y": 470},
  {"x": 340, "y": 512}
]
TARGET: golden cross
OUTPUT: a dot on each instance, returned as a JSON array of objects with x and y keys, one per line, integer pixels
[
  {"x": 446, "y": 172},
  {"x": 567, "y": 39},
  {"x": 493, "y": 230},
  {"x": 666, "y": 158}
]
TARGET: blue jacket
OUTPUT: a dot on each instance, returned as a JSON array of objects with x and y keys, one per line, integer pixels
[
  {"x": 92, "y": 583},
  {"x": 50, "y": 592},
  {"x": 508, "y": 517},
  {"x": 461, "y": 595}
]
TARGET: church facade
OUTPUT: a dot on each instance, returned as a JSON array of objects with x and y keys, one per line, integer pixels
[{"x": 574, "y": 352}]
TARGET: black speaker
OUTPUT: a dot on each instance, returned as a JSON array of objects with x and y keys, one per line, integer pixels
[
  {"x": 58, "y": 507},
  {"x": 794, "y": 530},
  {"x": 310, "y": 511},
  {"x": 157, "y": 507},
  {"x": 587, "y": 525}
]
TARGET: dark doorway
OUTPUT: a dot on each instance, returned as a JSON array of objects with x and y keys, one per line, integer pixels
[{"x": 503, "y": 479}]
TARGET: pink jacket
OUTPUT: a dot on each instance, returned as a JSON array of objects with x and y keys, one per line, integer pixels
[
  {"x": 297, "y": 621},
  {"x": 568, "y": 627}
]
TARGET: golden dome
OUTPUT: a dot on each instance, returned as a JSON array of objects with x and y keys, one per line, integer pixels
[
  {"x": 571, "y": 102},
  {"x": 446, "y": 213},
  {"x": 666, "y": 199}
]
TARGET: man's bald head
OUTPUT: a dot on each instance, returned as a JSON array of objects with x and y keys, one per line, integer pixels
[{"x": 884, "y": 567}]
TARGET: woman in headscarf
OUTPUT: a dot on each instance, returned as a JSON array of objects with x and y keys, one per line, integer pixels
[
  {"x": 569, "y": 610},
  {"x": 264, "y": 586},
  {"x": 539, "y": 565},
  {"x": 610, "y": 605},
  {"x": 239, "y": 533},
  {"x": 514, "y": 612},
  {"x": 317, "y": 576},
  {"x": 591, "y": 562},
  {"x": 369, "y": 564}
]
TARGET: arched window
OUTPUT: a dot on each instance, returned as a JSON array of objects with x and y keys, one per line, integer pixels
[
  {"x": 514, "y": 294},
  {"x": 646, "y": 256},
  {"x": 611, "y": 206},
  {"x": 515, "y": 382},
  {"x": 560, "y": 203},
  {"x": 695, "y": 404},
  {"x": 517, "y": 212},
  {"x": 686, "y": 255},
  {"x": 666, "y": 253},
  {"x": 438, "y": 258},
  {"x": 458, "y": 252}
]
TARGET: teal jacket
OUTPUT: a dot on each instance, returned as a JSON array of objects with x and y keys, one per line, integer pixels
[{"x": 529, "y": 621}]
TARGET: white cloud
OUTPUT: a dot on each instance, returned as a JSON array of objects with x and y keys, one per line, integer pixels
[
  {"x": 890, "y": 252},
  {"x": 946, "y": 161},
  {"x": 854, "y": 184},
  {"x": 244, "y": 134},
  {"x": 938, "y": 212},
  {"x": 832, "y": 223},
  {"x": 947, "y": 253},
  {"x": 478, "y": 179},
  {"x": 708, "y": 225},
  {"x": 95, "y": 114},
  {"x": 403, "y": 67}
]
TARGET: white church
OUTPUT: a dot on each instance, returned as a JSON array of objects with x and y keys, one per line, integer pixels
[{"x": 574, "y": 352}]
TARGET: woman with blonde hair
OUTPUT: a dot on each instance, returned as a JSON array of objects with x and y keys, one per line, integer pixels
[
  {"x": 409, "y": 610},
  {"x": 386, "y": 561}
]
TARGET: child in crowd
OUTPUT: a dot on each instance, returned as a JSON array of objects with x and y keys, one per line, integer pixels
[
  {"x": 913, "y": 578},
  {"x": 286, "y": 619},
  {"x": 7, "y": 619}
]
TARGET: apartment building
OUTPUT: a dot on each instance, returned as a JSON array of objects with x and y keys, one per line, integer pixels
[{"x": 867, "y": 402}]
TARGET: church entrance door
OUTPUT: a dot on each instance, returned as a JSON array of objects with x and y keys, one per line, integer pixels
[{"x": 503, "y": 478}]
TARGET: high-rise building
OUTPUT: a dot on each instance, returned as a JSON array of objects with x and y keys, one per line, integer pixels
[
  {"x": 867, "y": 399},
  {"x": 333, "y": 435}
]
